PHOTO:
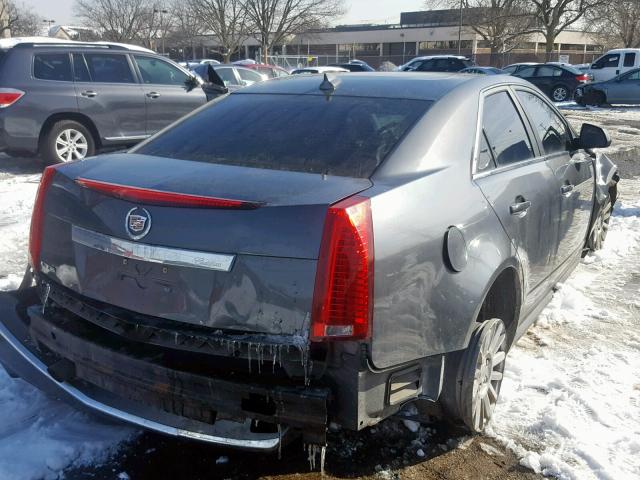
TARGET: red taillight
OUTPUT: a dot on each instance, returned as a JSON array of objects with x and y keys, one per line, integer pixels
[
  {"x": 582, "y": 78},
  {"x": 343, "y": 294},
  {"x": 162, "y": 198},
  {"x": 9, "y": 96},
  {"x": 37, "y": 218}
]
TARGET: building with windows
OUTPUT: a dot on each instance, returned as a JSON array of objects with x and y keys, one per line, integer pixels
[{"x": 430, "y": 32}]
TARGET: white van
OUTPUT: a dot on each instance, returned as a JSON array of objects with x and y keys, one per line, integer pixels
[{"x": 615, "y": 62}]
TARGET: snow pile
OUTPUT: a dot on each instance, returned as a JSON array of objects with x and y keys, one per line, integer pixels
[
  {"x": 570, "y": 401},
  {"x": 39, "y": 437}
]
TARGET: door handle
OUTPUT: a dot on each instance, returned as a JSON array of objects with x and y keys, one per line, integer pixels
[
  {"x": 89, "y": 93},
  {"x": 520, "y": 208},
  {"x": 567, "y": 188},
  {"x": 153, "y": 94}
]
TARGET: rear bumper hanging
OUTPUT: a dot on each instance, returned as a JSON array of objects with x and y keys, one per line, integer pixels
[{"x": 61, "y": 356}]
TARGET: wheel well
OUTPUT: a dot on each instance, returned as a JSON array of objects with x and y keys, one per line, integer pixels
[
  {"x": 77, "y": 117},
  {"x": 503, "y": 301}
]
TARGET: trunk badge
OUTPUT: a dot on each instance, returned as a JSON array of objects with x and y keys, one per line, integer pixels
[{"x": 138, "y": 223}]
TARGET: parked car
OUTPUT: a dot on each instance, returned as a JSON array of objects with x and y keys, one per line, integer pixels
[
  {"x": 354, "y": 66},
  {"x": 557, "y": 81},
  {"x": 271, "y": 71},
  {"x": 623, "y": 89},
  {"x": 171, "y": 301},
  {"x": 614, "y": 63},
  {"x": 436, "y": 63},
  {"x": 198, "y": 61},
  {"x": 515, "y": 67},
  {"x": 66, "y": 100},
  {"x": 233, "y": 76},
  {"x": 312, "y": 70},
  {"x": 484, "y": 71}
]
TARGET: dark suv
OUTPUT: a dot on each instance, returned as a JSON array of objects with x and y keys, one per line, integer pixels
[
  {"x": 66, "y": 100},
  {"x": 559, "y": 82}
]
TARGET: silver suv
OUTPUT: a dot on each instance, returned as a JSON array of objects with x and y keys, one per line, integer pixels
[{"x": 64, "y": 101}]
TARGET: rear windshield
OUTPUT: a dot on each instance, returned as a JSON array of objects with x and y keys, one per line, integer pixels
[
  {"x": 572, "y": 70},
  {"x": 344, "y": 136}
]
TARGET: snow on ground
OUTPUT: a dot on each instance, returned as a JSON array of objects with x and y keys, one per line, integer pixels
[
  {"x": 39, "y": 436},
  {"x": 570, "y": 401}
]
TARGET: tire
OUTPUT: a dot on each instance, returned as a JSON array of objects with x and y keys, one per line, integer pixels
[
  {"x": 560, "y": 93},
  {"x": 474, "y": 376},
  {"x": 598, "y": 233},
  {"x": 67, "y": 140}
]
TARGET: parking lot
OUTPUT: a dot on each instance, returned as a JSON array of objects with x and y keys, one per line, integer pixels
[{"x": 570, "y": 403}]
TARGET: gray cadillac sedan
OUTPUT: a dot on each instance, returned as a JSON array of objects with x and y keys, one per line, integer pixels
[{"x": 308, "y": 250}]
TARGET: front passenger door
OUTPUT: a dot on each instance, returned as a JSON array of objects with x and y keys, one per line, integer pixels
[
  {"x": 168, "y": 92},
  {"x": 573, "y": 172}
]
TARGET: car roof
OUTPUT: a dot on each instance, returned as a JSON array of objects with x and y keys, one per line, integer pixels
[
  {"x": 410, "y": 85},
  {"x": 322, "y": 69},
  {"x": 427, "y": 57},
  {"x": 7, "y": 43}
]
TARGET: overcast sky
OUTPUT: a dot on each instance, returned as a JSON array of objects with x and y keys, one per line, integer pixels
[{"x": 361, "y": 11}]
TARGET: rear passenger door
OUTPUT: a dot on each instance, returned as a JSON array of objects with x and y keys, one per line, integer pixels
[
  {"x": 573, "y": 171},
  {"x": 109, "y": 94},
  {"x": 168, "y": 92},
  {"x": 519, "y": 185}
]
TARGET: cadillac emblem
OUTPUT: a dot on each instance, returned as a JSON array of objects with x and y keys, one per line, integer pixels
[{"x": 138, "y": 223}]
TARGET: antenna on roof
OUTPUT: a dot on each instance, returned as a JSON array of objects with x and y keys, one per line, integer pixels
[{"x": 328, "y": 87}]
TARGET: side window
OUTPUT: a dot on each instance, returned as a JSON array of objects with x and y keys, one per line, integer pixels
[
  {"x": 485, "y": 159},
  {"x": 635, "y": 76},
  {"x": 108, "y": 68},
  {"x": 545, "y": 71},
  {"x": 249, "y": 77},
  {"x": 510, "y": 69},
  {"x": 426, "y": 66},
  {"x": 80, "y": 69},
  {"x": 608, "y": 61},
  {"x": 159, "y": 72},
  {"x": 629, "y": 59},
  {"x": 551, "y": 130},
  {"x": 228, "y": 77},
  {"x": 526, "y": 72},
  {"x": 505, "y": 131},
  {"x": 52, "y": 66}
]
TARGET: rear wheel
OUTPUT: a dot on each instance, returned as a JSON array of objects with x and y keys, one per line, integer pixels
[
  {"x": 475, "y": 376},
  {"x": 66, "y": 141},
  {"x": 560, "y": 93}
]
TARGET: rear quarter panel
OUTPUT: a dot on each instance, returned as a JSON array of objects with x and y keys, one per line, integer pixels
[{"x": 422, "y": 307}]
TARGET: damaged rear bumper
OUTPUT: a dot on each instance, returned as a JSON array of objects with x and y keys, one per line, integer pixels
[{"x": 64, "y": 358}]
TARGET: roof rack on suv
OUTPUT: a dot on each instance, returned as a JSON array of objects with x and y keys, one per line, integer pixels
[{"x": 70, "y": 45}]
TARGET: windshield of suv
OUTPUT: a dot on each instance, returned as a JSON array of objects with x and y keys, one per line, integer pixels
[{"x": 345, "y": 136}]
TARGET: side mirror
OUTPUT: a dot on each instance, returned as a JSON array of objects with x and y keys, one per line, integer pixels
[
  {"x": 592, "y": 136},
  {"x": 191, "y": 83},
  {"x": 595, "y": 66}
]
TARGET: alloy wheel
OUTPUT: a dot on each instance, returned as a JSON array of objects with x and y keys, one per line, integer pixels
[
  {"x": 71, "y": 145},
  {"x": 560, "y": 94},
  {"x": 488, "y": 375}
]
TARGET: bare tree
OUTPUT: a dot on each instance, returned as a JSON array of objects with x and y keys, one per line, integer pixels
[
  {"x": 118, "y": 20},
  {"x": 227, "y": 20},
  {"x": 187, "y": 26},
  {"x": 502, "y": 24},
  {"x": 274, "y": 20},
  {"x": 27, "y": 24},
  {"x": 616, "y": 23},
  {"x": 555, "y": 16},
  {"x": 9, "y": 15}
]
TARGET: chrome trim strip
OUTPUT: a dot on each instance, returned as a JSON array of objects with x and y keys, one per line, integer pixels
[
  {"x": 133, "y": 137},
  {"x": 150, "y": 253},
  {"x": 262, "y": 444}
]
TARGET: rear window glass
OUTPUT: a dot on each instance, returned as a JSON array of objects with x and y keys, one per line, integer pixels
[
  {"x": 344, "y": 136},
  {"x": 52, "y": 66}
]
